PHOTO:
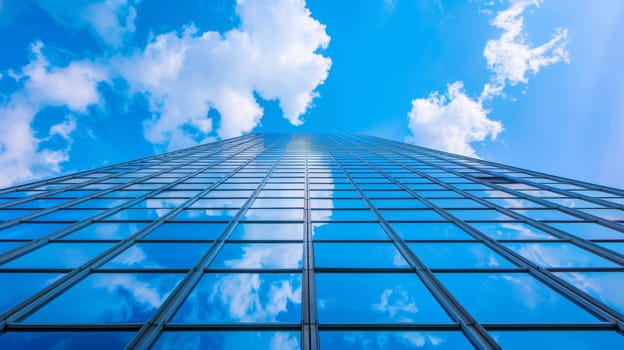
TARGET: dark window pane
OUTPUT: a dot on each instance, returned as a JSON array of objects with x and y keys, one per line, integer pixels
[{"x": 243, "y": 297}]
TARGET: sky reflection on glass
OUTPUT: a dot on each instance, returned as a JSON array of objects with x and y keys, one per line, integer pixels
[
  {"x": 604, "y": 286},
  {"x": 29, "y": 230},
  {"x": 268, "y": 231},
  {"x": 159, "y": 255},
  {"x": 259, "y": 255},
  {"x": 243, "y": 297},
  {"x": 233, "y": 340},
  {"x": 555, "y": 254},
  {"x": 59, "y": 255},
  {"x": 181, "y": 231},
  {"x": 348, "y": 231},
  {"x": 424, "y": 230},
  {"x": 109, "y": 298},
  {"x": 370, "y": 255},
  {"x": 17, "y": 286},
  {"x": 383, "y": 340},
  {"x": 458, "y": 255},
  {"x": 588, "y": 230},
  {"x": 548, "y": 340},
  {"x": 511, "y": 230},
  {"x": 380, "y": 297},
  {"x": 102, "y": 231},
  {"x": 65, "y": 340},
  {"x": 523, "y": 298}
]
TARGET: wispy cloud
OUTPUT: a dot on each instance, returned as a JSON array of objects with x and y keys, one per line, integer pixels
[{"x": 453, "y": 121}]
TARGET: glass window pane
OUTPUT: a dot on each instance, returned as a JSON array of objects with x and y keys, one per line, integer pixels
[
  {"x": 181, "y": 231},
  {"x": 524, "y": 298},
  {"x": 59, "y": 255},
  {"x": 69, "y": 215},
  {"x": 243, "y": 297},
  {"x": 22, "y": 286},
  {"x": 411, "y": 215},
  {"x": 109, "y": 298},
  {"x": 348, "y": 231},
  {"x": 380, "y": 297},
  {"x": 259, "y": 255},
  {"x": 459, "y": 255},
  {"x": 589, "y": 230},
  {"x": 111, "y": 230},
  {"x": 29, "y": 230},
  {"x": 559, "y": 255},
  {"x": 138, "y": 214},
  {"x": 159, "y": 255},
  {"x": 435, "y": 231},
  {"x": 274, "y": 214},
  {"x": 548, "y": 340},
  {"x": 371, "y": 255},
  {"x": 342, "y": 215},
  {"x": 385, "y": 340},
  {"x": 65, "y": 340},
  {"x": 231, "y": 340},
  {"x": 511, "y": 230},
  {"x": 262, "y": 231},
  {"x": 604, "y": 286}
]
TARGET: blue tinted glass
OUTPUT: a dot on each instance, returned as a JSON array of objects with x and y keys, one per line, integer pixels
[
  {"x": 159, "y": 255},
  {"x": 138, "y": 214},
  {"x": 380, "y": 340},
  {"x": 219, "y": 203},
  {"x": 588, "y": 230},
  {"x": 116, "y": 231},
  {"x": 604, "y": 286},
  {"x": 69, "y": 215},
  {"x": 274, "y": 214},
  {"x": 436, "y": 231},
  {"x": 546, "y": 214},
  {"x": 348, "y": 231},
  {"x": 609, "y": 214},
  {"x": 548, "y": 340},
  {"x": 617, "y": 247},
  {"x": 205, "y": 231},
  {"x": 278, "y": 203},
  {"x": 29, "y": 231},
  {"x": 384, "y": 255},
  {"x": 65, "y": 340},
  {"x": 7, "y": 214},
  {"x": 556, "y": 254},
  {"x": 109, "y": 298},
  {"x": 387, "y": 297},
  {"x": 458, "y": 255},
  {"x": 233, "y": 340},
  {"x": 342, "y": 215},
  {"x": 511, "y": 230},
  {"x": 59, "y": 255},
  {"x": 479, "y": 214},
  {"x": 411, "y": 215},
  {"x": 243, "y": 297},
  {"x": 456, "y": 203},
  {"x": 259, "y": 255},
  {"x": 40, "y": 203},
  {"x": 6, "y": 246},
  {"x": 523, "y": 298},
  {"x": 100, "y": 203},
  {"x": 206, "y": 215},
  {"x": 261, "y": 231},
  {"x": 398, "y": 203},
  {"x": 22, "y": 285},
  {"x": 337, "y": 204},
  {"x": 155, "y": 203}
]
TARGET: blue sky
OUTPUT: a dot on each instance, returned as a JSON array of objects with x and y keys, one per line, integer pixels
[{"x": 529, "y": 83}]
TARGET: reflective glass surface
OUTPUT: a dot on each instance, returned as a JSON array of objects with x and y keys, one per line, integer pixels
[
  {"x": 511, "y": 230},
  {"x": 29, "y": 230},
  {"x": 59, "y": 255},
  {"x": 589, "y": 230},
  {"x": 65, "y": 340},
  {"x": 547, "y": 340},
  {"x": 551, "y": 254},
  {"x": 103, "y": 231},
  {"x": 268, "y": 231},
  {"x": 109, "y": 298},
  {"x": 237, "y": 340},
  {"x": 380, "y": 297},
  {"x": 380, "y": 340},
  {"x": 352, "y": 254},
  {"x": 348, "y": 231},
  {"x": 159, "y": 255},
  {"x": 178, "y": 231},
  {"x": 259, "y": 255},
  {"x": 430, "y": 231},
  {"x": 458, "y": 255},
  {"x": 524, "y": 298},
  {"x": 17, "y": 286},
  {"x": 604, "y": 286},
  {"x": 243, "y": 297}
]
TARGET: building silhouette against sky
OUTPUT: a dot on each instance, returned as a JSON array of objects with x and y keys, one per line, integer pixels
[{"x": 311, "y": 241}]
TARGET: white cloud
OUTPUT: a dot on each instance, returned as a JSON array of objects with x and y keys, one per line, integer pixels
[
  {"x": 185, "y": 75},
  {"x": 454, "y": 121},
  {"x": 511, "y": 57},
  {"x": 451, "y": 122},
  {"x": 73, "y": 86},
  {"x": 111, "y": 21}
]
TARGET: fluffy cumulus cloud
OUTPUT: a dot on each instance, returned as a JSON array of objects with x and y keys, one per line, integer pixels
[
  {"x": 451, "y": 121},
  {"x": 111, "y": 21},
  {"x": 272, "y": 54},
  {"x": 454, "y": 121},
  {"x": 73, "y": 86}
]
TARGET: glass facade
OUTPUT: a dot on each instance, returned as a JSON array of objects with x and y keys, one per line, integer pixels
[{"x": 306, "y": 241}]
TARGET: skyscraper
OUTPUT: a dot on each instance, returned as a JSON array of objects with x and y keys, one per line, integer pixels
[{"x": 311, "y": 241}]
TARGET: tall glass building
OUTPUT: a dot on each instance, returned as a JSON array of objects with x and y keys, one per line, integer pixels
[{"x": 288, "y": 241}]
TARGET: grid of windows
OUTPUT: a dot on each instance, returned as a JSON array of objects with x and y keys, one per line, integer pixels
[{"x": 311, "y": 241}]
